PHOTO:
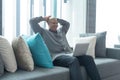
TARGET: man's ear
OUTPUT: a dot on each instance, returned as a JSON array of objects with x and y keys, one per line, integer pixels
[{"x": 48, "y": 22}]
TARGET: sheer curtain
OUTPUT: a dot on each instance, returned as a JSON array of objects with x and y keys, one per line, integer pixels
[
  {"x": 107, "y": 19},
  {"x": 16, "y": 15},
  {"x": 8, "y": 18}
]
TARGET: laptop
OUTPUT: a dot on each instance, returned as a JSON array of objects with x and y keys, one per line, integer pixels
[{"x": 80, "y": 49}]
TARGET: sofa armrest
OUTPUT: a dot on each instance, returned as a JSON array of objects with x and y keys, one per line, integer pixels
[{"x": 113, "y": 53}]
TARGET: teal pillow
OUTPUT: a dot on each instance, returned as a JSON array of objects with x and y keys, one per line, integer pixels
[{"x": 39, "y": 50}]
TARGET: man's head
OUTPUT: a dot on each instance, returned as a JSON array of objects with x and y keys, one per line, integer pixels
[{"x": 53, "y": 24}]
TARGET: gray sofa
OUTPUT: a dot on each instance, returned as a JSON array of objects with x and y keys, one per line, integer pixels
[
  {"x": 107, "y": 61},
  {"x": 108, "y": 67}
]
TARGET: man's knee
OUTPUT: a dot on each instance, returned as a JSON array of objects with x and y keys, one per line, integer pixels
[
  {"x": 74, "y": 61},
  {"x": 65, "y": 61},
  {"x": 89, "y": 58},
  {"x": 85, "y": 57}
]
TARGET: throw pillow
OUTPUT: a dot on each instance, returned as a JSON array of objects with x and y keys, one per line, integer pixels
[
  {"x": 1, "y": 67},
  {"x": 7, "y": 55},
  {"x": 39, "y": 50},
  {"x": 86, "y": 44},
  {"x": 23, "y": 55},
  {"x": 100, "y": 48}
]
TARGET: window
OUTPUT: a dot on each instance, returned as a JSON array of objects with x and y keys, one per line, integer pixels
[
  {"x": 107, "y": 19},
  {"x": 16, "y": 15},
  {"x": 9, "y": 17}
]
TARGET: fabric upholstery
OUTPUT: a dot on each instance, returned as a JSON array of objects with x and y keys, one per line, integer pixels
[
  {"x": 1, "y": 67},
  {"x": 113, "y": 53},
  {"x": 108, "y": 67},
  {"x": 23, "y": 54},
  {"x": 56, "y": 73},
  {"x": 100, "y": 48},
  {"x": 7, "y": 55},
  {"x": 39, "y": 50}
]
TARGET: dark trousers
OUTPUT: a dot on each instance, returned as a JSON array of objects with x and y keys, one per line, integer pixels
[{"x": 74, "y": 66}]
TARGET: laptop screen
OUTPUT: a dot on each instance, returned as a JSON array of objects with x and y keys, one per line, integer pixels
[{"x": 80, "y": 49}]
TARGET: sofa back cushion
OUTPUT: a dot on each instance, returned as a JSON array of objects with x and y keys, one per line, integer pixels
[{"x": 100, "y": 48}]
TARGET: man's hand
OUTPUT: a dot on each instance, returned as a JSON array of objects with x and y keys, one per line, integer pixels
[{"x": 47, "y": 18}]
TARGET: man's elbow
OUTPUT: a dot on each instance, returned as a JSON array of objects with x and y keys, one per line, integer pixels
[{"x": 31, "y": 21}]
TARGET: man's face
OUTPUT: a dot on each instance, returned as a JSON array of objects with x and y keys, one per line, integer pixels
[{"x": 53, "y": 24}]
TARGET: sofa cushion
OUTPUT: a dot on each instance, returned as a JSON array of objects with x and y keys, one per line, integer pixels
[
  {"x": 1, "y": 67},
  {"x": 39, "y": 50},
  {"x": 108, "y": 67},
  {"x": 100, "y": 48},
  {"x": 56, "y": 73},
  {"x": 23, "y": 55},
  {"x": 7, "y": 55}
]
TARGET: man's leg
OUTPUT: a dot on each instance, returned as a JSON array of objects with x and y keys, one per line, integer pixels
[
  {"x": 72, "y": 63},
  {"x": 89, "y": 64}
]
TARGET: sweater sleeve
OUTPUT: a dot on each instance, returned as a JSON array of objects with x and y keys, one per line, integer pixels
[
  {"x": 34, "y": 23},
  {"x": 65, "y": 25}
]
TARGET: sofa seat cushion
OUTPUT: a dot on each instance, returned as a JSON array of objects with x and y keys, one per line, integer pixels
[
  {"x": 108, "y": 67},
  {"x": 56, "y": 73}
]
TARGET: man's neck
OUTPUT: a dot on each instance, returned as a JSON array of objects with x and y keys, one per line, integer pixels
[{"x": 54, "y": 31}]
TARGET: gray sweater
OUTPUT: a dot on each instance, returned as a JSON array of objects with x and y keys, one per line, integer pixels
[{"x": 55, "y": 41}]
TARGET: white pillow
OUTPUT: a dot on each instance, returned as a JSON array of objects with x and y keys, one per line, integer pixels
[
  {"x": 23, "y": 55},
  {"x": 86, "y": 40},
  {"x": 7, "y": 55}
]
